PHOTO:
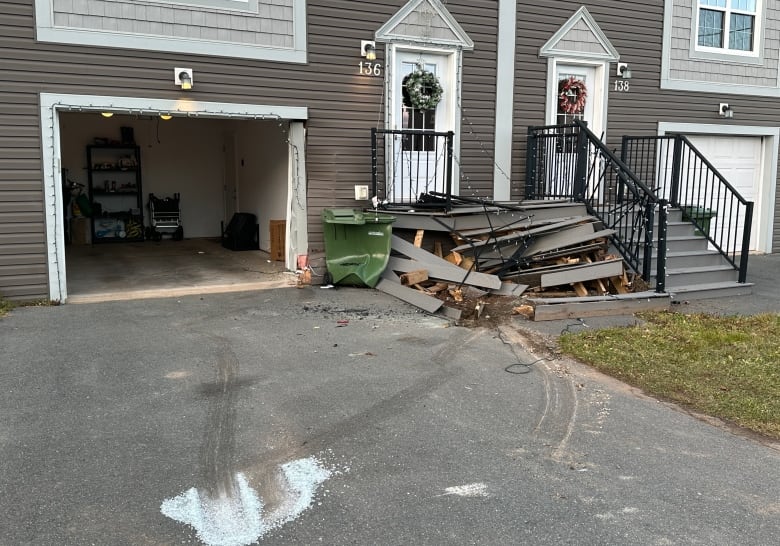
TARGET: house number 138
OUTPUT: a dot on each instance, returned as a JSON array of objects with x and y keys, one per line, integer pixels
[
  {"x": 370, "y": 69},
  {"x": 621, "y": 85}
]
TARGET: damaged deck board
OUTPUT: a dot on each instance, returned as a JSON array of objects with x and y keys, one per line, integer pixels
[
  {"x": 409, "y": 295},
  {"x": 582, "y": 272},
  {"x": 452, "y": 273},
  {"x": 510, "y": 289},
  {"x": 598, "y": 306},
  {"x": 569, "y": 237},
  {"x": 438, "y": 268},
  {"x": 482, "y": 220},
  {"x": 511, "y": 238}
]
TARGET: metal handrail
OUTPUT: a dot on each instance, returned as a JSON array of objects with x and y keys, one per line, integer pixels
[
  {"x": 691, "y": 182},
  {"x": 394, "y": 183},
  {"x": 570, "y": 161}
]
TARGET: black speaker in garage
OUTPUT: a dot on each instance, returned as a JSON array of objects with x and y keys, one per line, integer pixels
[{"x": 241, "y": 233}]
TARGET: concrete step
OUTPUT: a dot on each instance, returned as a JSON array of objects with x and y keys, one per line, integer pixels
[
  {"x": 687, "y": 276},
  {"x": 710, "y": 290}
]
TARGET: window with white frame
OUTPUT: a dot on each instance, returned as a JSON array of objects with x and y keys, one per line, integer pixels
[{"x": 729, "y": 25}]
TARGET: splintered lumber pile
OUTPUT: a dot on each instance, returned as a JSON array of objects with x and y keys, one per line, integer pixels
[
  {"x": 421, "y": 278},
  {"x": 552, "y": 250}
]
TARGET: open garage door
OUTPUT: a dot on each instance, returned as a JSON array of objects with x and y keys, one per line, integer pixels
[
  {"x": 213, "y": 159},
  {"x": 740, "y": 160}
]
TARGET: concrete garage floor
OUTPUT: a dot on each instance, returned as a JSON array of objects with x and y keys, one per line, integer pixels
[{"x": 123, "y": 271}]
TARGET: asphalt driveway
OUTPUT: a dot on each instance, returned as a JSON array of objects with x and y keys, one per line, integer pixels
[{"x": 345, "y": 417}]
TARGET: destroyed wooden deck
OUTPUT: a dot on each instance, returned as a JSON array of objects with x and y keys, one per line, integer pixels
[{"x": 550, "y": 252}]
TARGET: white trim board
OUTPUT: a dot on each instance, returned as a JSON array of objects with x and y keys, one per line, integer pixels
[
  {"x": 505, "y": 80},
  {"x": 52, "y": 104},
  {"x": 765, "y": 210}
]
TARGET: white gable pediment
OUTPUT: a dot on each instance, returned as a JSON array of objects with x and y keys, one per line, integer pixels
[
  {"x": 580, "y": 37},
  {"x": 424, "y": 22}
]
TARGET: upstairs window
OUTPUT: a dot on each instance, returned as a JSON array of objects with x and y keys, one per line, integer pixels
[{"x": 728, "y": 25}]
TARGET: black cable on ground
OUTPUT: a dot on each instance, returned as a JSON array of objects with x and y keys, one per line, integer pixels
[{"x": 525, "y": 367}]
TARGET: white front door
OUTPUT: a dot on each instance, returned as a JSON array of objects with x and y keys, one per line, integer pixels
[
  {"x": 574, "y": 96},
  {"x": 418, "y": 163},
  {"x": 569, "y": 104}
]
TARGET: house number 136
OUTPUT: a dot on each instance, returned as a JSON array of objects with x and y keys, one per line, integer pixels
[
  {"x": 370, "y": 69},
  {"x": 621, "y": 85}
]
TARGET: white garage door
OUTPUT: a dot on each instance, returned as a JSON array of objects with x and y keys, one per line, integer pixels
[{"x": 739, "y": 160}]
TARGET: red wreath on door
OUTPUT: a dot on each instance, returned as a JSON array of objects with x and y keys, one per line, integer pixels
[{"x": 571, "y": 95}]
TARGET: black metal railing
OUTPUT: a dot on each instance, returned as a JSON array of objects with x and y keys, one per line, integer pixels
[
  {"x": 570, "y": 162},
  {"x": 409, "y": 163},
  {"x": 680, "y": 174}
]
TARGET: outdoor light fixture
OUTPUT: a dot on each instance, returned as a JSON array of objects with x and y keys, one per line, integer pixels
[
  {"x": 368, "y": 50},
  {"x": 725, "y": 110},
  {"x": 183, "y": 77},
  {"x": 106, "y": 114},
  {"x": 624, "y": 71},
  {"x": 165, "y": 116}
]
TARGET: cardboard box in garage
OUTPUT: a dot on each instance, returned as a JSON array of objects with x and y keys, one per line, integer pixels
[{"x": 277, "y": 228}]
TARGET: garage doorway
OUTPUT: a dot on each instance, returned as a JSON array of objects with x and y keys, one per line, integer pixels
[
  {"x": 747, "y": 157},
  {"x": 219, "y": 159}
]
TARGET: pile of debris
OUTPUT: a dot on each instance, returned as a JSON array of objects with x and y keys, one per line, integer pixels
[{"x": 551, "y": 252}]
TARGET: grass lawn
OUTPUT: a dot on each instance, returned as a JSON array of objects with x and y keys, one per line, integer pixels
[
  {"x": 5, "y": 306},
  {"x": 724, "y": 366}
]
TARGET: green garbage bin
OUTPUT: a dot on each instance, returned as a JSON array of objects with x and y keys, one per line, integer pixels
[
  {"x": 701, "y": 215},
  {"x": 357, "y": 245}
]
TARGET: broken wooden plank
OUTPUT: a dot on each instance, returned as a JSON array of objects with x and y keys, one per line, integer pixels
[
  {"x": 510, "y": 289},
  {"x": 418, "y": 237},
  {"x": 409, "y": 295},
  {"x": 619, "y": 284},
  {"x": 582, "y": 272},
  {"x": 451, "y": 313},
  {"x": 414, "y": 277},
  {"x": 444, "y": 269},
  {"x": 454, "y": 258},
  {"x": 579, "y": 289},
  {"x": 437, "y": 250},
  {"x": 512, "y": 237},
  {"x": 451, "y": 273},
  {"x": 569, "y": 238},
  {"x": 578, "y": 234},
  {"x": 599, "y": 308}
]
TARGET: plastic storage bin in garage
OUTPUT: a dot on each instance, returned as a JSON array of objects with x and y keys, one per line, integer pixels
[{"x": 357, "y": 245}]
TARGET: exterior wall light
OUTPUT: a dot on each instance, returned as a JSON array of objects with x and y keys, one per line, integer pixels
[
  {"x": 725, "y": 110},
  {"x": 106, "y": 114},
  {"x": 183, "y": 77},
  {"x": 368, "y": 50},
  {"x": 165, "y": 117},
  {"x": 624, "y": 71}
]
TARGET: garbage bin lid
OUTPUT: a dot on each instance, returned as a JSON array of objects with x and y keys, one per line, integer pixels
[{"x": 355, "y": 216}]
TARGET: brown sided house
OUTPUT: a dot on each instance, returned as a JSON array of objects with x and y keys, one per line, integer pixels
[{"x": 284, "y": 93}]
